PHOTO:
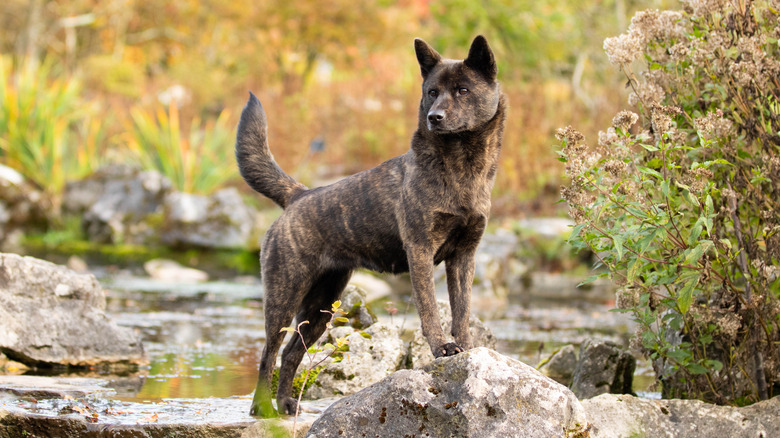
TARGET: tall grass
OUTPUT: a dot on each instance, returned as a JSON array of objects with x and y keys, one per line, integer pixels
[
  {"x": 197, "y": 159},
  {"x": 47, "y": 131}
]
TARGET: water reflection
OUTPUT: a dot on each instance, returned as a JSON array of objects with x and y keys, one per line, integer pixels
[{"x": 205, "y": 340}]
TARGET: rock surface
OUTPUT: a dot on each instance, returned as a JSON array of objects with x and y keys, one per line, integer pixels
[
  {"x": 172, "y": 271},
  {"x": 22, "y": 206},
  {"x": 614, "y": 416},
  {"x": 51, "y": 315},
  {"x": 368, "y": 361},
  {"x": 479, "y": 393},
  {"x": 221, "y": 220},
  {"x": 561, "y": 365},
  {"x": 354, "y": 301},
  {"x": 43, "y": 407},
  {"x": 603, "y": 368},
  {"x": 123, "y": 210}
]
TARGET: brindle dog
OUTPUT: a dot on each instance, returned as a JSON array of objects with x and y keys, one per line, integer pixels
[{"x": 410, "y": 213}]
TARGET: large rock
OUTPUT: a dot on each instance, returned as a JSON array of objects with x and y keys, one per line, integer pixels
[
  {"x": 420, "y": 353},
  {"x": 221, "y": 220},
  {"x": 22, "y": 206},
  {"x": 603, "y": 368},
  {"x": 479, "y": 393},
  {"x": 51, "y": 315},
  {"x": 617, "y": 416},
  {"x": 129, "y": 206},
  {"x": 368, "y": 361},
  {"x": 560, "y": 366}
]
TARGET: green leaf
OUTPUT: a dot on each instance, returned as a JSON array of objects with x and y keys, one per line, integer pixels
[
  {"x": 633, "y": 269},
  {"x": 650, "y": 171},
  {"x": 592, "y": 278},
  {"x": 665, "y": 188},
  {"x": 680, "y": 356},
  {"x": 618, "y": 241},
  {"x": 341, "y": 319},
  {"x": 696, "y": 253},
  {"x": 696, "y": 231},
  {"x": 685, "y": 295},
  {"x": 695, "y": 368},
  {"x": 365, "y": 335}
]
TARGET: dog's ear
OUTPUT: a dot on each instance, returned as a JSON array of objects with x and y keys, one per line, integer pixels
[
  {"x": 481, "y": 58},
  {"x": 426, "y": 56}
]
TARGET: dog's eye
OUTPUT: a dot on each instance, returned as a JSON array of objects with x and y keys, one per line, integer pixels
[
  {"x": 433, "y": 93},
  {"x": 463, "y": 91}
]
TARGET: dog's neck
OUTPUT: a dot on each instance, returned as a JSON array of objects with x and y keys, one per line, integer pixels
[{"x": 475, "y": 152}]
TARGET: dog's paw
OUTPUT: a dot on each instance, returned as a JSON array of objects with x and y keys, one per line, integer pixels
[
  {"x": 448, "y": 349},
  {"x": 288, "y": 405},
  {"x": 263, "y": 410}
]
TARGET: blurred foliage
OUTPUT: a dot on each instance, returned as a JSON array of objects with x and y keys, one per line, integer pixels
[
  {"x": 338, "y": 71},
  {"x": 47, "y": 131},
  {"x": 199, "y": 162}
]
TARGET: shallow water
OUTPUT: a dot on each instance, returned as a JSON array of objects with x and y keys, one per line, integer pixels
[{"x": 204, "y": 340}]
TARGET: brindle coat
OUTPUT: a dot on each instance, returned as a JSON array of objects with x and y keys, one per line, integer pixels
[{"x": 410, "y": 213}]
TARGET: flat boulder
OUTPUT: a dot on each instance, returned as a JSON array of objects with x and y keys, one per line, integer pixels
[
  {"x": 614, "y": 416},
  {"x": 603, "y": 368},
  {"x": 479, "y": 393},
  {"x": 50, "y": 315},
  {"x": 222, "y": 220}
]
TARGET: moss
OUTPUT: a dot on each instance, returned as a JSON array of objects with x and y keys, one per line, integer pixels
[
  {"x": 297, "y": 381},
  {"x": 58, "y": 245}
]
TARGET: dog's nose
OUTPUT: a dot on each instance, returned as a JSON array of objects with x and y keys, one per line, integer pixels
[{"x": 435, "y": 116}]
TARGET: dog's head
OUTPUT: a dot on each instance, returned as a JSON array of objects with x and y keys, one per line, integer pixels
[{"x": 458, "y": 96}]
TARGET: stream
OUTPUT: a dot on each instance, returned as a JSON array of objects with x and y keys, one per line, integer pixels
[{"x": 203, "y": 342}]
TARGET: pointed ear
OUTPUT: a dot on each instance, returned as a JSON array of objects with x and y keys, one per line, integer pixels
[
  {"x": 481, "y": 58},
  {"x": 426, "y": 56}
]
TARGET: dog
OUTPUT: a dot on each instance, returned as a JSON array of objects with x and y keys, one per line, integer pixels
[{"x": 408, "y": 214}]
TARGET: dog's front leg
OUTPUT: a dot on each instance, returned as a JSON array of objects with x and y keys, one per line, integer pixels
[
  {"x": 460, "y": 276},
  {"x": 421, "y": 272}
]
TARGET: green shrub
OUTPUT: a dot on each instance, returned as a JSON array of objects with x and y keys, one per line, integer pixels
[
  {"x": 683, "y": 209},
  {"x": 47, "y": 131},
  {"x": 196, "y": 160}
]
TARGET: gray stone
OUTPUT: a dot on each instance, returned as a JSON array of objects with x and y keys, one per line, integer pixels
[
  {"x": 172, "y": 271},
  {"x": 617, "y": 416},
  {"x": 51, "y": 315},
  {"x": 54, "y": 387},
  {"x": 22, "y": 206},
  {"x": 561, "y": 364},
  {"x": 221, "y": 220},
  {"x": 354, "y": 302},
  {"x": 123, "y": 211},
  {"x": 79, "y": 196},
  {"x": 420, "y": 353},
  {"x": 603, "y": 367},
  {"x": 368, "y": 361},
  {"x": 479, "y": 393}
]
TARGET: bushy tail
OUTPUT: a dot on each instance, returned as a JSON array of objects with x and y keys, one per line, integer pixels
[{"x": 255, "y": 161}]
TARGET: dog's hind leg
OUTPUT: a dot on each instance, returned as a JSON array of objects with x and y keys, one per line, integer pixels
[
  {"x": 326, "y": 289},
  {"x": 282, "y": 296}
]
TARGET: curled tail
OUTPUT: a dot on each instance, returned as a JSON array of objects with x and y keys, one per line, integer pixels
[{"x": 255, "y": 161}]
